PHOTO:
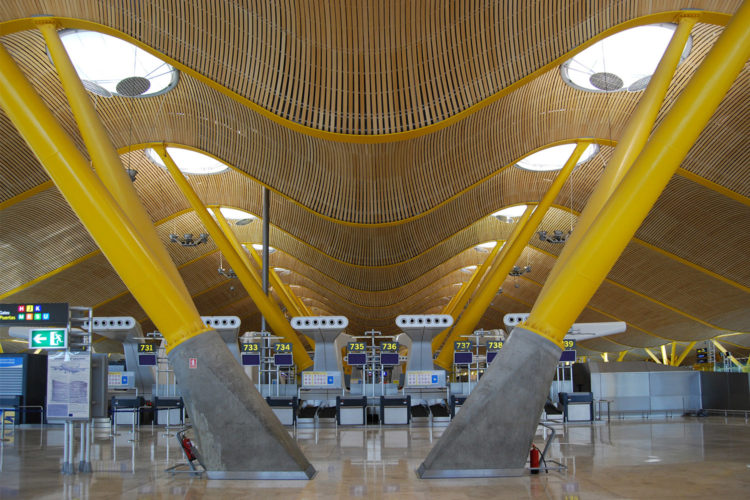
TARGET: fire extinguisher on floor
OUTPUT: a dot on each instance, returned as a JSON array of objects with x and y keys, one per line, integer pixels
[{"x": 534, "y": 459}]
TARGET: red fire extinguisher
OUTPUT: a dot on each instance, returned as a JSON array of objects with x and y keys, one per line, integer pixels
[
  {"x": 534, "y": 456},
  {"x": 187, "y": 446}
]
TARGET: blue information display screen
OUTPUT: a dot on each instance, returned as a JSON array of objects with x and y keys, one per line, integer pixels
[
  {"x": 283, "y": 360},
  {"x": 39, "y": 314},
  {"x": 356, "y": 359},
  {"x": 463, "y": 358},
  {"x": 490, "y": 356},
  {"x": 568, "y": 356},
  {"x": 388, "y": 359},
  {"x": 147, "y": 359},
  {"x": 253, "y": 359}
]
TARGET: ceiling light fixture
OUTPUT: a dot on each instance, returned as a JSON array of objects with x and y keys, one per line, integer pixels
[
  {"x": 188, "y": 161},
  {"x": 187, "y": 239},
  {"x": 108, "y": 66},
  {"x": 556, "y": 238},
  {"x": 623, "y": 61}
]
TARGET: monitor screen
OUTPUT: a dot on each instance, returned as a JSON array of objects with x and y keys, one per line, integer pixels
[
  {"x": 463, "y": 358},
  {"x": 147, "y": 359},
  {"x": 251, "y": 359},
  {"x": 283, "y": 360},
  {"x": 568, "y": 356},
  {"x": 356, "y": 359},
  {"x": 490, "y": 356},
  {"x": 388, "y": 359}
]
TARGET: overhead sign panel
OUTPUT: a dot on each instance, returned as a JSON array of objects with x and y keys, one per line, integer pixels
[
  {"x": 34, "y": 314},
  {"x": 48, "y": 338}
]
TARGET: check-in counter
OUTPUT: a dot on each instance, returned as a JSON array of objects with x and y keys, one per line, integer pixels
[
  {"x": 285, "y": 409},
  {"x": 351, "y": 411},
  {"x": 395, "y": 410},
  {"x": 577, "y": 406},
  {"x": 456, "y": 403}
]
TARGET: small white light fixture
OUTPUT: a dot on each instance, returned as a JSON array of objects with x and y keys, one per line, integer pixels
[
  {"x": 554, "y": 158},
  {"x": 510, "y": 214},
  {"x": 282, "y": 271},
  {"x": 108, "y": 66},
  {"x": 623, "y": 61},
  {"x": 188, "y": 161},
  {"x": 486, "y": 246},
  {"x": 469, "y": 269}
]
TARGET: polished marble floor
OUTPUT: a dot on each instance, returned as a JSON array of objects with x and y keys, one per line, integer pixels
[{"x": 665, "y": 458}]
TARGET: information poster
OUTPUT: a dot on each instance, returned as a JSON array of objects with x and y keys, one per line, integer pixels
[{"x": 69, "y": 386}]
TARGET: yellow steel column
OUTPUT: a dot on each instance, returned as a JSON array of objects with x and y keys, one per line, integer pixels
[
  {"x": 725, "y": 352},
  {"x": 653, "y": 356},
  {"x": 105, "y": 220},
  {"x": 104, "y": 157},
  {"x": 622, "y": 355},
  {"x": 267, "y": 307},
  {"x": 664, "y": 355},
  {"x": 278, "y": 285},
  {"x": 510, "y": 253},
  {"x": 465, "y": 293},
  {"x": 673, "y": 357},
  {"x": 564, "y": 296},
  {"x": 685, "y": 353},
  {"x": 633, "y": 137}
]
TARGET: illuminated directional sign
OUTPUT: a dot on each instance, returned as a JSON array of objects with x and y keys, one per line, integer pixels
[
  {"x": 47, "y": 314},
  {"x": 389, "y": 346},
  {"x": 569, "y": 344},
  {"x": 462, "y": 346},
  {"x": 356, "y": 347},
  {"x": 48, "y": 338},
  {"x": 146, "y": 348}
]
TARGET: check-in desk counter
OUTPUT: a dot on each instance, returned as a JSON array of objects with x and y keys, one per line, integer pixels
[
  {"x": 395, "y": 410},
  {"x": 126, "y": 410},
  {"x": 351, "y": 411},
  {"x": 456, "y": 403},
  {"x": 577, "y": 406},
  {"x": 285, "y": 409},
  {"x": 169, "y": 411}
]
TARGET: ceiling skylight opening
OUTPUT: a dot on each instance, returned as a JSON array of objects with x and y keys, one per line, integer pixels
[
  {"x": 510, "y": 214},
  {"x": 282, "y": 271},
  {"x": 108, "y": 66},
  {"x": 239, "y": 217},
  {"x": 259, "y": 248},
  {"x": 486, "y": 246},
  {"x": 469, "y": 269},
  {"x": 554, "y": 158},
  {"x": 623, "y": 61},
  {"x": 189, "y": 162}
]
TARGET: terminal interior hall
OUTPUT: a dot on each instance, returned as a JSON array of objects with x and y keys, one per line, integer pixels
[{"x": 303, "y": 249}]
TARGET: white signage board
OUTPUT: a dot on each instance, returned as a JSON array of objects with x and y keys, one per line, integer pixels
[{"x": 69, "y": 386}]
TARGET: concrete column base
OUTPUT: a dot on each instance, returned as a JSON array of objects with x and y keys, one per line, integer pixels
[
  {"x": 237, "y": 434},
  {"x": 492, "y": 434}
]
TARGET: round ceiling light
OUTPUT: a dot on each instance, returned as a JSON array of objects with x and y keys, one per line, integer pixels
[
  {"x": 623, "y": 61},
  {"x": 109, "y": 66},
  {"x": 554, "y": 158},
  {"x": 188, "y": 161}
]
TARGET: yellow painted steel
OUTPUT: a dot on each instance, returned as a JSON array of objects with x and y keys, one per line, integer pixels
[
  {"x": 664, "y": 360},
  {"x": 506, "y": 259},
  {"x": 622, "y": 355},
  {"x": 605, "y": 357},
  {"x": 104, "y": 219},
  {"x": 464, "y": 295},
  {"x": 724, "y": 351},
  {"x": 633, "y": 138},
  {"x": 733, "y": 195},
  {"x": 653, "y": 356},
  {"x": 564, "y": 296},
  {"x": 276, "y": 283},
  {"x": 672, "y": 358},
  {"x": 103, "y": 154},
  {"x": 26, "y": 194},
  {"x": 267, "y": 307},
  {"x": 684, "y": 354}
]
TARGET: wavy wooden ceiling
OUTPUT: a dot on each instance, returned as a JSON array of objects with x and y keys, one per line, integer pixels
[{"x": 384, "y": 227}]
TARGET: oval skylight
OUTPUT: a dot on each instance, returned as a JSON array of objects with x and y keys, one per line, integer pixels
[
  {"x": 623, "y": 61},
  {"x": 189, "y": 162},
  {"x": 240, "y": 217},
  {"x": 259, "y": 247},
  {"x": 554, "y": 158},
  {"x": 509, "y": 214},
  {"x": 282, "y": 271},
  {"x": 469, "y": 269},
  {"x": 109, "y": 66}
]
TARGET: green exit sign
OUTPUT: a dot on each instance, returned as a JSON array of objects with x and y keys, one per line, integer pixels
[{"x": 48, "y": 338}]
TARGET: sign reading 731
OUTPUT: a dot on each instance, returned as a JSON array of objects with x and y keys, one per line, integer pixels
[{"x": 48, "y": 338}]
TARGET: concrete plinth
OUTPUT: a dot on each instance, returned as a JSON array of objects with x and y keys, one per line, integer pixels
[
  {"x": 492, "y": 434},
  {"x": 237, "y": 434}
]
